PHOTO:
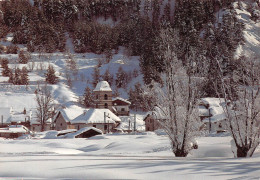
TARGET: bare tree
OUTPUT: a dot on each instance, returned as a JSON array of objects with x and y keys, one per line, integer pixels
[
  {"x": 176, "y": 101},
  {"x": 44, "y": 105},
  {"x": 243, "y": 110}
]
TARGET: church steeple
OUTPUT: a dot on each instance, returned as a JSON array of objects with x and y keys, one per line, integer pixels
[{"x": 103, "y": 95}]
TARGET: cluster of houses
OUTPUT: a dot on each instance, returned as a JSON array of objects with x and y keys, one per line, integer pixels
[
  {"x": 210, "y": 112},
  {"x": 106, "y": 116}
]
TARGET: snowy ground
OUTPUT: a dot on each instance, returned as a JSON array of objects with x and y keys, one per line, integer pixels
[{"x": 146, "y": 156}]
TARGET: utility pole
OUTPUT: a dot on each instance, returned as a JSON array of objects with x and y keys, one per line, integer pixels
[
  {"x": 209, "y": 121},
  {"x": 2, "y": 120},
  {"x": 134, "y": 122},
  {"x": 128, "y": 125},
  {"x": 104, "y": 122}
]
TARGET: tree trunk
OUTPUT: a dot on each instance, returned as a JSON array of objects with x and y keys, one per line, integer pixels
[
  {"x": 42, "y": 127},
  {"x": 242, "y": 151},
  {"x": 180, "y": 153}
]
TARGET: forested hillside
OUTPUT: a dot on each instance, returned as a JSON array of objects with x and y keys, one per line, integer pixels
[{"x": 207, "y": 29}]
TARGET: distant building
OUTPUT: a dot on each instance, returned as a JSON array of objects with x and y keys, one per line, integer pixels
[
  {"x": 37, "y": 127},
  {"x": 151, "y": 124},
  {"x": 102, "y": 119},
  {"x": 9, "y": 117},
  {"x": 14, "y": 131},
  {"x": 103, "y": 96},
  {"x": 212, "y": 114},
  {"x": 121, "y": 106},
  {"x": 62, "y": 121},
  {"x": 103, "y": 100}
]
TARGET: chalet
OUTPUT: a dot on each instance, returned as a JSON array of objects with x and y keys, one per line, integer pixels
[
  {"x": 154, "y": 119},
  {"x": 121, "y": 106},
  {"x": 102, "y": 119},
  {"x": 151, "y": 124},
  {"x": 62, "y": 121},
  {"x": 212, "y": 114},
  {"x": 9, "y": 117}
]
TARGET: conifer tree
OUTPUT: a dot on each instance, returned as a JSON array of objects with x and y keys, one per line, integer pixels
[
  {"x": 11, "y": 77},
  {"x": 17, "y": 76},
  {"x": 108, "y": 77},
  {"x": 50, "y": 75},
  {"x": 23, "y": 57},
  {"x": 24, "y": 76},
  {"x": 88, "y": 98},
  {"x": 121, "y": 78},
  {"x": 95, "y": 77}
]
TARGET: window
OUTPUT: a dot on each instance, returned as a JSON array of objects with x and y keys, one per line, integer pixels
[
  {"x": 78, "y": 127},
  {"x": 96, "y": 105},
  {"x": 106, "y": 106},
  {"x": 60, "y": 124},
  {"x": 105, "y": 97},
  {"x": 94, "y": 126},
  {"x": 97, "y": 97},
  {"x": 105, "y": 127},
  {"x": 122, "y": 109}
]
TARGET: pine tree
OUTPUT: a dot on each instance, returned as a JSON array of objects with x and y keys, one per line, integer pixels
[
  {"x": 121, "y": 78},
  {"x": 24, "y": 76},
  {"x": 23, "y": 57},
  {"x": 95, "y": 76},
  {"x": 11, "y": 77},
  {"x": 108, "y": 77},
  {"x": 17, "y": 76},
  {"x": 88, "y": 98},
  {"x": 4, "y": 62},
  {"x": 50, "y": 75},
  {"x": 5, "y": 72}
]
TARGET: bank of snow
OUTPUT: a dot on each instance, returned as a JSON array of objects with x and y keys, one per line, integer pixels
[{"x": 142, "y": 156}]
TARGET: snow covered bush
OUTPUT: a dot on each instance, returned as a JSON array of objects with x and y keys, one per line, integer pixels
[
  {"x": 243, "y": 113},
  {"x": 176, "y": 102}
]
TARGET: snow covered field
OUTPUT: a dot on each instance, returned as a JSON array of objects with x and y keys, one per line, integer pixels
[{"x": 143, "y": 156}]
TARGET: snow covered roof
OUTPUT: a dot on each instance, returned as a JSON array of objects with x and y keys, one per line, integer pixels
[
  {"x": 121, "y": 99},
  {"x": 96, "y": 116},
  {"x": 82, "y": 130},
  {"x": 19, "y": 117},
  {"x": 103, "y": 86},
  {"x": 69, "y": 113},
  {"x": 212, "y": 101},
  {"x": 215, "y": 109},
  {"x": 203, "y": 111},
  {"x": 14, "y": 129}
]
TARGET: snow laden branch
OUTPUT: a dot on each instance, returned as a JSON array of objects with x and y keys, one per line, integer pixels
[
  {"x": 176, "y": 102},
  {"x": 241, "y": 92},
  {"x": 44, "y": 105}
]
